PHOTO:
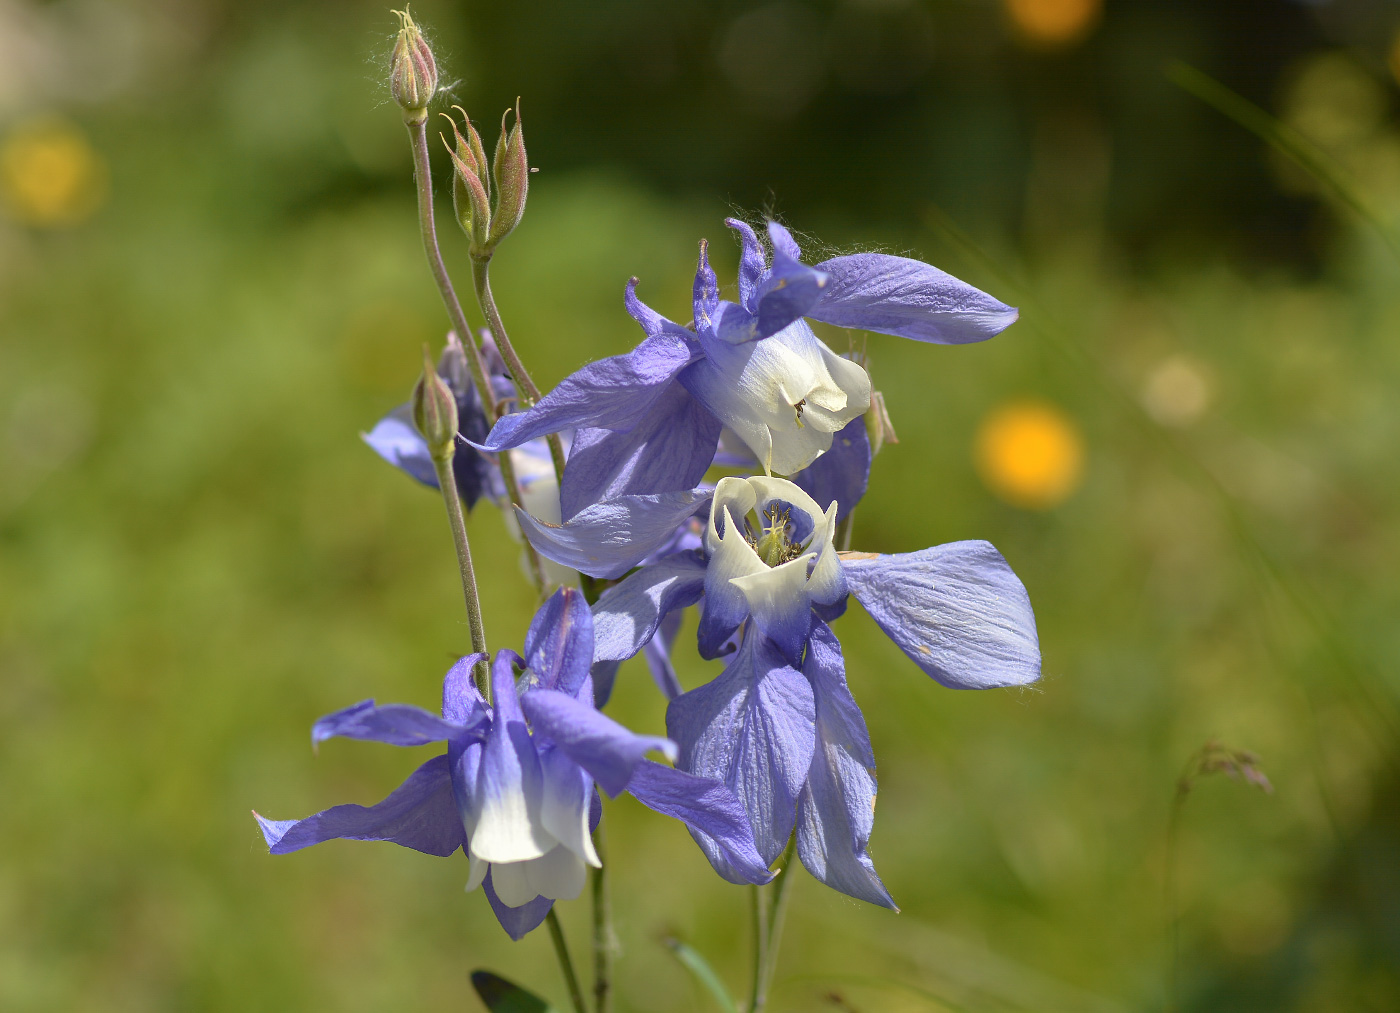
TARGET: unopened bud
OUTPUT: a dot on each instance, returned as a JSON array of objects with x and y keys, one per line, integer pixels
[
  {"x": 470, "y": 182},
  {"x": 413, "y": 73},
  {"x": 511, "y": 170},
  {"x": 435, "y": 411},
  {"x": 877, "y": 423}
]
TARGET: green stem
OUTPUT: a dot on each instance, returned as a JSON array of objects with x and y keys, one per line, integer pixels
[
  {"x": 423, "y": 180},
  {"x": 602, "y": 930},
  {"x": 447, "y": 482},
  {"x": 777, "y": 915},
  {"x": 758, "y": 994},
  {"x": 481, "y": 278},
  {"x": 561, "y": 950}
]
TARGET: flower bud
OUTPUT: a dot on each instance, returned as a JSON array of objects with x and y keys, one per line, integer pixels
[
  {"x": 435, "y": 411},
  {"x": 877, "y": 423},
  {"x": 413, "y": 73},
  {"x": 511, "y": 170},
  {"x": 470, "y": 182}
]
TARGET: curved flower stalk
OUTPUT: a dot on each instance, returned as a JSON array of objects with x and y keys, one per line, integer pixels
[
  {"x": 780, "y": 725},
  {"x": 648, "y": 422},
  {"x": 515, "y": 789}
]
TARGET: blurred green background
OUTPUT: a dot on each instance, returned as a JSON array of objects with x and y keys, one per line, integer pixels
[{"x": 210, "y": 282}]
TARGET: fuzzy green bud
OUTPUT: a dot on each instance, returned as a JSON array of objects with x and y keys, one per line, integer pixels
[
  {"x": 471, "y": 196},
  {"x": 413, "y": 75},
  {"x": 511, "y": 169},
  {"x": 435, "y": 411}
]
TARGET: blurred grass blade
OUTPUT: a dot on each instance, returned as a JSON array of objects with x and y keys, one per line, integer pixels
[
  {"x": 1285, "y": 139},
  {"x": 703, "y": 972},
  {"x": 502, "y": 996}
]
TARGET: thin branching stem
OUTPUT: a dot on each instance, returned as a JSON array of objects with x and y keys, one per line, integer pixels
[
  {"x": 757, "y": 994},
  {"x": 423, "y": 179},
  {"x": 777, "y": 915},
  {"x": 566, "y": 966},
  {"x": 447, "y": 482},
  {"x": 602, "y": 930},
  {"x": 481, "y": 278}
]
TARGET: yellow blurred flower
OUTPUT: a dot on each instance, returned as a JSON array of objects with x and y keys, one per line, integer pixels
[
  {"x": 50, "y": 175},
  {"x": 1053, "y": 22},
  {"x": 1030, "y": 454}
]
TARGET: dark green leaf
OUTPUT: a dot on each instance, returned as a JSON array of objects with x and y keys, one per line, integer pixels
[{"x": 501, "y": 996}]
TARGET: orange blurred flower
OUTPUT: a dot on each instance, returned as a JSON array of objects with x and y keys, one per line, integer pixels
[
  {"x": 1030, "y": 454},
  {"x": 1395, "y": 58},
  {"x": 50, "y": 175},
  {"x": 1053, "y": 22}
]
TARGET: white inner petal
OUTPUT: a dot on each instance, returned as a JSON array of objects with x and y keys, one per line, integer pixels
[
  {"x": 825, "y": 582},
  {"x": 476, "y": 872},
  {"x": 558, "y": 875},
  {"x": 506, "y": 826},
  {"x": 564, "y": 810}
]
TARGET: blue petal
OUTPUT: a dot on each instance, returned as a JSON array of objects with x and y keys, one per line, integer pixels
[
  {"x": 419, "y": 814},
  {"x": 396, "y": 724},
  {"x": 608, "y": 539},
  {"x": 559, "y": 645},
  {"x": 751, "y": 261},
  {"x": 657, "y": 653},
  {"x": 517, "y": 921},
  {"x": 713, "y": 813},
  {"x": 706, "y": 291},
  {"x": 842, "y": 473},
  {"x": 604, "y": 675},
  {"x": 509, "y": 783},
  {"x": 896, "y": 295},
  {"x": 783, "y": 243},
  {"x": 789, "y": 292},
  {"x": 836, "y": 811},
  {"x": 614, "y": 393},
  {"x": 398, "y": 441},
  {"x": 627, "y": 614},
  {"x": 598, "y": 744},
  {"x": 652, "y": 322},
  {"x": 668, "y": 449},
  {"x": 753, "y": 729},
  {"x": 957, "y": 610},
  {"x": 461, "y": 700}
]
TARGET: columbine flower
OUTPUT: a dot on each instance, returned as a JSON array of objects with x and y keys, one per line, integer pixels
[
  {"x": 397, "y": 440},
  {"x": 649, "y": 421},
  {"x": 779, "y": 725},
  {"x": 515, "y": 789}
]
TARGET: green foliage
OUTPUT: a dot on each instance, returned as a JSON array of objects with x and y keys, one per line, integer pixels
[
  {"x": 501, "y": 996},
  {"x": 198, "y": 557},
  {"x": 694, "y": 962}
]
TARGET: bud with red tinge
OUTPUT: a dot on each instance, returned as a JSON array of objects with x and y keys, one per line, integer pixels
[
  {"x": 435, "y": 411},
  {"x": 470, "y": 182},
  {"x": 413, "y": 75},
  {"x": 511, "y": 170}
]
